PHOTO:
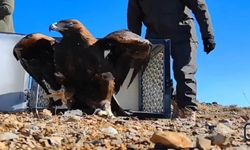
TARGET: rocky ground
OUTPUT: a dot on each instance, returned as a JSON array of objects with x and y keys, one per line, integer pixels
[{"x": 216, "y": 127}]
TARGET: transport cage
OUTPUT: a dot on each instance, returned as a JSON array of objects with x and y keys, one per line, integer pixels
[
  {"x": 149, "y": 95},
  {"x": 13, "y": 79}
]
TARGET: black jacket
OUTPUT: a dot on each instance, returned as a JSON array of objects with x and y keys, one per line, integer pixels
[{"x": 169, "y": 18}]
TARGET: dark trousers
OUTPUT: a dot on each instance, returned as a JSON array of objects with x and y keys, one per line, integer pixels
[{"x": 184, "y": 67}]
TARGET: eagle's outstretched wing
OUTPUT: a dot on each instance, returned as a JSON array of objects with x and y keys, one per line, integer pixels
[
  {"x": 127, "y": 50},
  {"x": 36, "y": 55}
]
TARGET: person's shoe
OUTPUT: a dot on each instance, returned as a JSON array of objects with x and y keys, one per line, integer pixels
[{"x": 186, "y": 113}]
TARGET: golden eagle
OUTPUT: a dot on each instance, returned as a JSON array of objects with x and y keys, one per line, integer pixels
[{"x": 89, "y": 71}]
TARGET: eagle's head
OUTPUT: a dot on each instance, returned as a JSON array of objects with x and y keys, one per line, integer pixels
[
  {"x": 73, "y": 26},
  {"x": 64, "y": 26}
]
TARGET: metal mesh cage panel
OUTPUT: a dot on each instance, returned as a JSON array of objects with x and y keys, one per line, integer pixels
[
  {"x": 39, "y": 98},
  {"x": 152, "y": 88}
]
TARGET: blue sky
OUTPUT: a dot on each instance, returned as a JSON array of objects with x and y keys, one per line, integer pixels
[{"x": 223, "y": 75}]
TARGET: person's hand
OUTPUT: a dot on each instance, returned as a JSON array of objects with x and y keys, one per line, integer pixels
[{"x": 209, "y": 44}]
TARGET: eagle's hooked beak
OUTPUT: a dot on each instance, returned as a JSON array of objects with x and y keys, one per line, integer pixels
[
  {"x": 61, "y": 26},
  {"x": 53, "y": 27},
  {"x": 58, "y": 26}
]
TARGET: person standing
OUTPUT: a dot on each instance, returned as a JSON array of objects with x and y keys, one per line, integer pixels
[
  {"x": 172, "y": 19},
  {"x": 6, "y": 15}
]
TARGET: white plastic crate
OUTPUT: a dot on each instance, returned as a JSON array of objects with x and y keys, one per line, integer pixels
[{"x": 12, "y": 77}]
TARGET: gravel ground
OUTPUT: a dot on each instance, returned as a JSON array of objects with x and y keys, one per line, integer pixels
[{"x": 74, "y": 130}]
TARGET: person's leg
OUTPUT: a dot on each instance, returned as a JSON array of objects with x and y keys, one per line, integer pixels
[{"x": 184, "y": 66}]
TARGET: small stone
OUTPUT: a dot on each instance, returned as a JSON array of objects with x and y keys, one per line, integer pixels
[
  {"x": 235, "y": 143},
  {"x": 215, "y": 147},
  {"x": 73, "y": 118},
  {"x": 221, "y": 135},
  {"x": 24, "y": 131},
  {"x": 76, "y": 112},
  {"x": 98, "y": 142},
  {"x": 133, "y": 146},
  {"x": 211, "y": 125},
  {"x": 110, "y": 131},
  {"x": 34, "y": 128},
  {"x": 219, "y": 139},
  {"x": 100, "y": 148},
  {"x": 172, "y": 139},
  {"x": 225, "y": 122},
  {"x": 80, "y": 141},
  {"x": 117, "y": 143},
  {"x": 55, "y": 141},
  {"x": 24, "y": 146},
  {"x": 203, "y": 143},
  {"x": 45, "y": 114},
  {"x": 44, "y": 142},
  {"x": 37, "y": 136},
  {"x": 8, "y": 136}
]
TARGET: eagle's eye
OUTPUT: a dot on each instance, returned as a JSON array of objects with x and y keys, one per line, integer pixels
[{"x": 71, "y": 24}]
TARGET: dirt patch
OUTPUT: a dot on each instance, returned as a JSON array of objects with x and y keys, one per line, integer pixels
[{"x": 28, "y": 131}]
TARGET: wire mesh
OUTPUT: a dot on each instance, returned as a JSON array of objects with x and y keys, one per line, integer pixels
[{"x": 152, "y": 88}]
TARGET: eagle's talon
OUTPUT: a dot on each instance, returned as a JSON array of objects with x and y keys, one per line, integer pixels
[{"x": 103, "y": 113}]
